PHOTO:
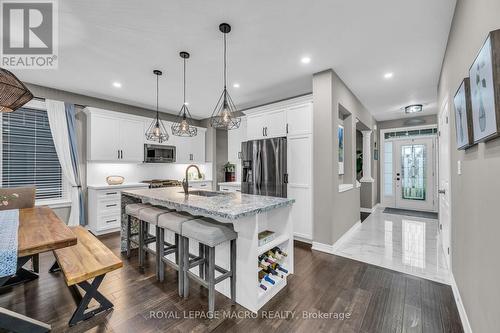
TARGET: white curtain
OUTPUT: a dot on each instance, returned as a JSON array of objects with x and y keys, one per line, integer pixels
[{"x": 59, "y": 128}]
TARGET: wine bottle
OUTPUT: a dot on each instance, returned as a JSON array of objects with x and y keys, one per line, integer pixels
[
  {"x": 262, "y": 286},
  {"x": 273, "y": 255},
  {"x": 266, "y": 258},
  {"x": 278, "y": 250},
  {"x": 277, "y": 267}
]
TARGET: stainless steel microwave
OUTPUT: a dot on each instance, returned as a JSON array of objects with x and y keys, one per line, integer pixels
[{"x": 159, "y": 154}]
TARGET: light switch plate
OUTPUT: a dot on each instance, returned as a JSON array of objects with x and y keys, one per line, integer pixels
[{"x": 459, "y": 167}]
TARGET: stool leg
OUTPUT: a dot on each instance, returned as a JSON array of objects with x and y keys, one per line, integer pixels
[
  {"x": 159, "y": 252},
  {"x": 129, "y": 232},
  {"x": 233, "y": 270},
  {"x": 201, "y": 268},
  {"x": 141, "y": 244},
  {"x": 211, "y": 280},
  {"x": 185, "y": 259},
  {"x": 179, "y": 257}
]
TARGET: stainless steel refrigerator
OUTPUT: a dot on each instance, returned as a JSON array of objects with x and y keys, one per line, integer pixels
[{"x": 264, "y": 167}]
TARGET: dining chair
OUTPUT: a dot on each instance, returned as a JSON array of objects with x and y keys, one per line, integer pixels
[{"x": 18, "y": 198}]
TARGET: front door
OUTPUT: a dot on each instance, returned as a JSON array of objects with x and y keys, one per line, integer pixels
[{"x": 414, "y": 174}]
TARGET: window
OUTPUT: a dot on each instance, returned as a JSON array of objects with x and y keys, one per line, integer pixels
[{"x": 28, "y": 154}]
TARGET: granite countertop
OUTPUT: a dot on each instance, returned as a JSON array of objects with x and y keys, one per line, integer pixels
[{"x": 226, "y": 206}]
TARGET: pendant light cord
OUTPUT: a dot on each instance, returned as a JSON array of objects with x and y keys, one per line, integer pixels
[
  {"x": 157, "y": 92},
  {"x": 225, "y": 61},
  {"x": 184, "y": 83}
]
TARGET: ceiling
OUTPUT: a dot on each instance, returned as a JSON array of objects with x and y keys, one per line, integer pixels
[{"x": 116, "y": 40}]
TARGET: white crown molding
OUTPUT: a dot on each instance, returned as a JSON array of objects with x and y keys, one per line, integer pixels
[{"x": 288, "y": 103}]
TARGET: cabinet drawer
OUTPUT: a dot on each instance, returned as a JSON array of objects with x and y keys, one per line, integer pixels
[
  {"x": 108, "y": 195},
  {"x": 106, "y": 207},
  {"x": 108, "y": 221}
]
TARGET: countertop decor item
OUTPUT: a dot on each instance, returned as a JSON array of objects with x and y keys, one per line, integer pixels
[
  {"x": 183, "y": 125},
  {"x": 114, "y": 180},
  {"x": 224, "y": 114},
  {"x": 13, "y": 93},
  {"x": 157, "y": 131}
]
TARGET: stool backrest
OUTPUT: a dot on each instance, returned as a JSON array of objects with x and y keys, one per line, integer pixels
[{"x": 17, "y": 197}]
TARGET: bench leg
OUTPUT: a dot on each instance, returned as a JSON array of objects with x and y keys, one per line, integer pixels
[
  {"x": 160, "y": 252},
  {"x": 55, "y": 267},
  {"x": 211, "y": 280},
  {"x": 232, "y": 268},
  {"x": 141, "y": 244},
  {"x": 35, "y": 260},
  {"x": 201, "y": 268},
  {"x": 185, "y": 264},
  {"x": 15, "y": 322},
  {"x": 22, "y": 275},
  {"x": 91, "y": 292},
  {"x": 179, "y": 256}
]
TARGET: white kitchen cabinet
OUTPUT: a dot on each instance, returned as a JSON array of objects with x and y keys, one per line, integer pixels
[
  {"x": 271, "y": 124},
  {"x": 234, "y": 139},
  {"x": 112, "y": 137},
  {"x": 191, "y": 149},
  {"x": 104, "y": 207},
  {"x": 299, "y": 119}
]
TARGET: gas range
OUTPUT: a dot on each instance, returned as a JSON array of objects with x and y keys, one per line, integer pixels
[{"x": 157, "y": 183}]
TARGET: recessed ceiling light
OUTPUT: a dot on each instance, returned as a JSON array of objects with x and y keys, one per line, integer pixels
[
  {"x": 388, "y": 75},
  {"x": 117, "y": 84},
  {"x": 236, "y": 85},
  {"x": 305, "y": 60},
  {"x": 414, "y": 108}
]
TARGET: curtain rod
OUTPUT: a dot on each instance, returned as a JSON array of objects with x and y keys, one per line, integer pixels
[{"x": 43, "y": 100}]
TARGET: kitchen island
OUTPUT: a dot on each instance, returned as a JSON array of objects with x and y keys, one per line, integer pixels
[{"x": 249, "y": 215}]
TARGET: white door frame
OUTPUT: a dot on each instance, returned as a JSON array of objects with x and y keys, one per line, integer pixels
[
  {"x": 444, "y": 199},
  {"x": 383, "y": 201}
]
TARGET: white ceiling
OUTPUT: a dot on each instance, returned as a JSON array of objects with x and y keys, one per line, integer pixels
[{"x": 118, "y": 40}]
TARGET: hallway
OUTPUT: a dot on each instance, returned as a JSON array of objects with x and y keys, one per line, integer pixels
[{"x": 405, "y": 244}]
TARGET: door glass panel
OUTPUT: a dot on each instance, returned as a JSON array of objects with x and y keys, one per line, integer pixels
[
  {"x": 413, "y": 172},
  {"x": 388, "y": 177}
]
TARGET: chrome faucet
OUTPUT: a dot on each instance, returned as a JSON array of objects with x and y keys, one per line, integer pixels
[{"x": 185, "y": 184}]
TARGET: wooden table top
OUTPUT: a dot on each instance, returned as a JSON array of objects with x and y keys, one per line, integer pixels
[{"x": 40, "y": 230}]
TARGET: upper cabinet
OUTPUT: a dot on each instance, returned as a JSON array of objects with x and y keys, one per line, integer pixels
[
  {"x": 112, "y": 138},
  {"x": 118, "y": 137},
  {"x": 266, "y": 125},
  {"x": 234, "y": 138},
  {"x": 299, "y": 119}
]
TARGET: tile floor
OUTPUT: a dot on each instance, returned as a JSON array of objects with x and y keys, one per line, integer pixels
[{"x": 402, "y": 243}]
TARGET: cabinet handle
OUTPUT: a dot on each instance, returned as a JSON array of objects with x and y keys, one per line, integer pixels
[
  {"x": 238, "y": 190},
  {"x": 111, "y": 221},
  {"x": 110, "y": 193},
  {"x": 287, "y": 128},
  {"x": 266, "y": 131},
  {"x": 203, "y": 185},
  {"x": 263, "y": 131},
  {"x": 121, "y": 154},
  {"x": 113, "y": 205},
  {"x": 118, "y": 153}
]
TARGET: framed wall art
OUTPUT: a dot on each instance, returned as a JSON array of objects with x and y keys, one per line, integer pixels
[
  {"x": 463, "y": 116},
  {"x": 340, "y": 134},
  {"x": 485, "y": 90}
]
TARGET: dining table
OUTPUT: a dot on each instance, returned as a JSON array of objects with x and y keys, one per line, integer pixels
[{"x": 39, "y": 230}]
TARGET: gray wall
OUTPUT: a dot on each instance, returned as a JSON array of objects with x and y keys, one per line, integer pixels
[
  {"x": 334, "y": 212},
  {"x": 221, "y": 154},
  {"x": 44, "y": 92},
  {"x": 474, "y": 194}
]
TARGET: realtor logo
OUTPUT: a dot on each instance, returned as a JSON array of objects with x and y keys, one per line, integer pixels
[{"x": 29, "y": 34}]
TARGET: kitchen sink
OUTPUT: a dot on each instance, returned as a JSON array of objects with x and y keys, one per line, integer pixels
[{"x": 205, "y": 193}]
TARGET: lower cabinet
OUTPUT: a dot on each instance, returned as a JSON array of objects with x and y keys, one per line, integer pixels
[
  {"x": 204, "y": 184},
  {"x": 104, "y": 211},
  {"x": 230, "y": 188}
]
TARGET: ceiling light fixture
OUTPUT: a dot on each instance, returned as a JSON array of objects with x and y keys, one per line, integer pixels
[
  {"x": 224, "y": 114},
  {"x": 183, "y": 126},
  {"x": 305, "y": 60},
  {"x": 388, "y": 75},
  {"x": 414, "y": 108},
  {"x": 117, "y": 84},
  {"x": 156, "y": 131},
  {"x": 13, "y": 93}
]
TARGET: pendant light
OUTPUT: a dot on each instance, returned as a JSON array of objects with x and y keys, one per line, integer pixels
[
  {"x": 224, "y": 114},
  {"x": 183, "y": 126},
  {"x": 156, "y": 131},
  {"x": 13, "y": 93}
]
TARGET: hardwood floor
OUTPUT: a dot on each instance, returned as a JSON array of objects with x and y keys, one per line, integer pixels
[{"x": 377, "y": 299}]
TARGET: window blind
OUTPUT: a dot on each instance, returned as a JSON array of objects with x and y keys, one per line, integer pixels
[{"x": 28, "y": 153}]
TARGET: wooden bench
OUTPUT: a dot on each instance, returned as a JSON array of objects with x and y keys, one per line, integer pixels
[{"x": 88, "y": 259}]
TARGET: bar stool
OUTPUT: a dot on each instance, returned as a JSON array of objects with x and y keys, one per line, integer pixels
[
  {"x": 209, "y": 234},
  {"x": 171, "y": 221},
  {"x": 132, "y": 211},
  {"x": 147, "y": 216}
]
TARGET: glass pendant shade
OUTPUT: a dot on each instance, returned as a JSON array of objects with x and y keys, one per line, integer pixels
[
  {"x": 224, "y": 115},
  {"x": 13, "y": 93},
  {"x": 157, "y": 131},
  {"x": 182, "y": 126}
]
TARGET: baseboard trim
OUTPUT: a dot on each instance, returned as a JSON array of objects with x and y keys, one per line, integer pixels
[
  {"x": 331, "y": 249},
  {"x": 460, "y": 306},
  {"x": 369, "y": 210},
  {"x": 302, "y": 238}
]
